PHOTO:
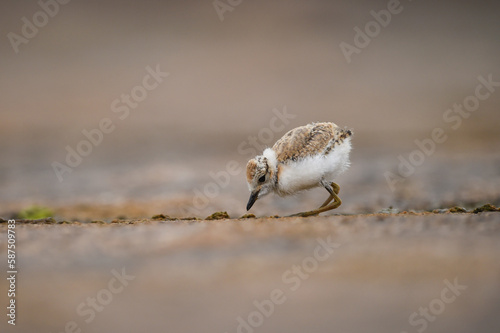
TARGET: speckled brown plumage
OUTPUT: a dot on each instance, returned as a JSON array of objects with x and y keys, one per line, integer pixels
[
  {"x": 251, "y": 169},
  {"x": 309, "y": 140}
]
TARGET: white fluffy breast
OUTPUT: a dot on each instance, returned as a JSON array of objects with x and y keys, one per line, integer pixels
[{"x": 309, "y": 172}]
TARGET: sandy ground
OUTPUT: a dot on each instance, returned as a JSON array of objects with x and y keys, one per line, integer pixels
[
  {"x": 359, "y": 273},
  {"x": 385, "y": 273}
]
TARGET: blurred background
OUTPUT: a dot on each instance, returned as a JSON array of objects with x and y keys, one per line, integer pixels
[
  {"x": 225, "y": 79},
  {"x": 238, "y": 78}
]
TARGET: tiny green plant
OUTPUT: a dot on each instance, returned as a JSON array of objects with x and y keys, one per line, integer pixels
[{"x": 35, "y": 213}]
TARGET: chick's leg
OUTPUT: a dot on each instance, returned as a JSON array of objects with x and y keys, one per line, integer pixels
[{"x": 333, "y": 189}]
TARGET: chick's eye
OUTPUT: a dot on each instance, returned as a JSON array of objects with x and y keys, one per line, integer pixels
[{"x": 262, "y": 179}]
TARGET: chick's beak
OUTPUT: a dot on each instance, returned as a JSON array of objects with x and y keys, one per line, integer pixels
[{"x": 253, "y": 198}]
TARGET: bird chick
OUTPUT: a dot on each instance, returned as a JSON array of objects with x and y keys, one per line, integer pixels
[{"x": 304, "y": 158}]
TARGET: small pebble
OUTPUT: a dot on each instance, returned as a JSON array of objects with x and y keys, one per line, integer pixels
[{"x": 218, "y": 216}]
